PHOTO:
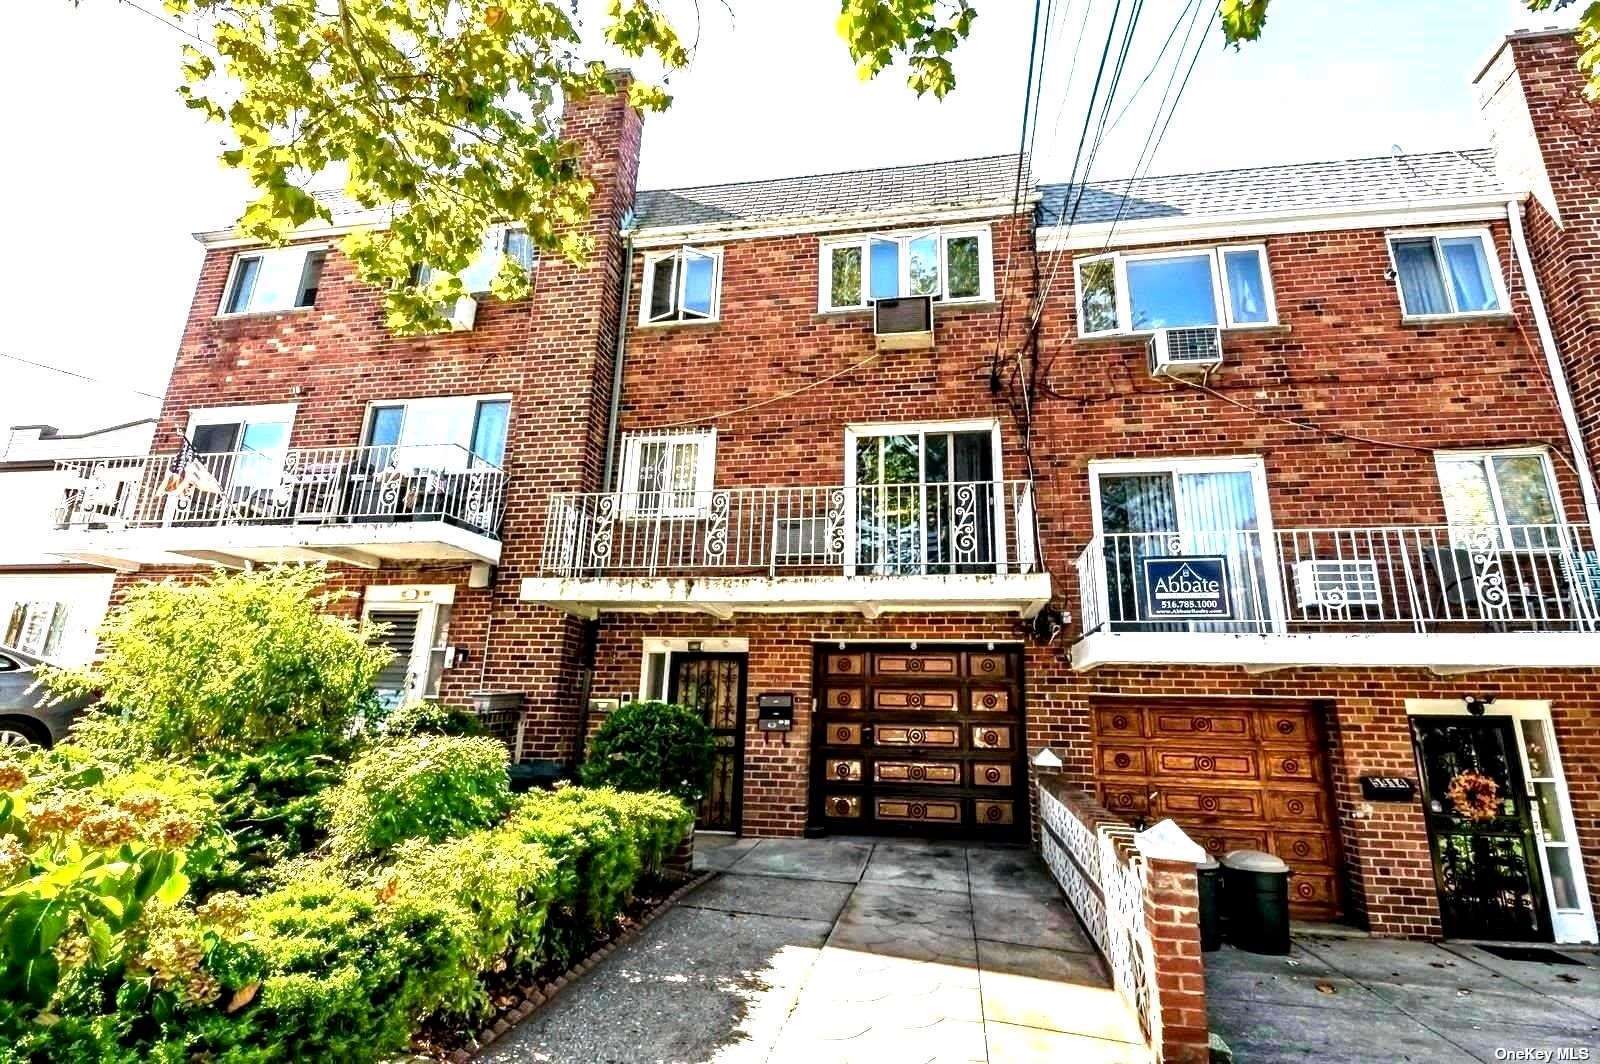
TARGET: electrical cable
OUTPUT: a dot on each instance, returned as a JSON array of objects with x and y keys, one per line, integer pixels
[
  {"x": 776, "y": 398},
  {"x": 80, "y": 376}
]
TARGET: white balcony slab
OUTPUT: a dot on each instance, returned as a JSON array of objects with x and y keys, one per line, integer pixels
[
  {"x": 1443, "y": 652},
  {"x": 724, "y": 596},
  {"x": 365, "y": 544}
]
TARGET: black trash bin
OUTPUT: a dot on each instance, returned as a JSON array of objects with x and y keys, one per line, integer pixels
[
  {"x": 1208, "y": 878},
  {"x": 1256, "y": 893}
]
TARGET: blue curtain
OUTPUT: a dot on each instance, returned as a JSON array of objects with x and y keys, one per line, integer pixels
[{"x": 1419, "y": 277}]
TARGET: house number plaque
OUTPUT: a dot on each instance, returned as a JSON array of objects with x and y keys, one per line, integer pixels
[{"x": 1387, "y": 789}]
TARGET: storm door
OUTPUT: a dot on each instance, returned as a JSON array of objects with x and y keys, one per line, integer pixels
[{"x": 714, "y": 684}]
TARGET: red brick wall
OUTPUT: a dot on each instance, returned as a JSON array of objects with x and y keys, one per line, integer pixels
[
  {"x": 1566, "y": 126},
  {"x": 552, "y": 352}
]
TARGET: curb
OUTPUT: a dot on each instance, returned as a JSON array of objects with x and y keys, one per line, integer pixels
[{"x": 536, "y": 996}]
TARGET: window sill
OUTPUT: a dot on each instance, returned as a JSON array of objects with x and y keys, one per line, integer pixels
[
  {"x": 939, "y": 307},
  {"x": 691, "y": 322},
  {"x": 245, "y": 315},
  {"x": 1457, "y": 319},
  {"x": 1273, "y": 329}
]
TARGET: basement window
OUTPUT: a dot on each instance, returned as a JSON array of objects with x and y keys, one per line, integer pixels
[
  {"x": 952, "y": 265},
  {"x": 1447, "y": 274},
  {"x": 273, "y": 279},
  {"x": 1226, "y": 286},
  {"x": 681, "y": 286}
]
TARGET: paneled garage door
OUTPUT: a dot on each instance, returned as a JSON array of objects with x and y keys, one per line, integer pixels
[
  {"x": 1236, "y": 774},
  {"x": 919, "y": 741}
]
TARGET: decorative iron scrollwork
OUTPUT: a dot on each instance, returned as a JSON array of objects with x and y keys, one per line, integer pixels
[{"x": 717, "y": 528}]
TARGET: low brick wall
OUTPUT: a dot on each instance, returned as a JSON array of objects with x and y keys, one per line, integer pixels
[{"x": 1137, "y": 897}]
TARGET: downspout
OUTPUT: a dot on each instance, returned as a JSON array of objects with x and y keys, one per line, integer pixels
[
  {"x": 1558, "y": 376},
  {"x": 591, "y": 629}
]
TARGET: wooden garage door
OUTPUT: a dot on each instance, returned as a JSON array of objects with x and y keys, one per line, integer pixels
[
  {"x": 1235, "y": 774},
  {"x": 924, "y": 741}
]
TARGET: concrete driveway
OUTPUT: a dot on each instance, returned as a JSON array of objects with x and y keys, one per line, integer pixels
[
  {"x": 811, "y": 951},
  {"x": 1361, "y": 999}
]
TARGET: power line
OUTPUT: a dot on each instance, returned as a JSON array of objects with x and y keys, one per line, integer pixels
[
  {"x": 169, "y": 24},
  {"x": 80, "y": 376}
]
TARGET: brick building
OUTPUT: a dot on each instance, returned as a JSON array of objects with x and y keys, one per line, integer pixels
[{"x": 1254, "y": 499}]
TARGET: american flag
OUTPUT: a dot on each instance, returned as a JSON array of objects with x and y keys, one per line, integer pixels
[{"x": 188, "y": 471}]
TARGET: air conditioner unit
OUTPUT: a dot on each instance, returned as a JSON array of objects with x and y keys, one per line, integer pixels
[
  {"x": 1179, "y": 352},
  {"x": 903, "y": 324},
  {"x": 1337, "y": 583},
  {"x": 463, "y": 314}
]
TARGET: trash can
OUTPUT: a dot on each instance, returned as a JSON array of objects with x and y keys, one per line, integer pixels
[
  {"x": 1256, "y": 892},
  {"x": 1208, "y": 878}
]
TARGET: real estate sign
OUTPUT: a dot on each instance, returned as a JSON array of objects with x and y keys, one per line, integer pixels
[{"x": 1189, "y": 588}]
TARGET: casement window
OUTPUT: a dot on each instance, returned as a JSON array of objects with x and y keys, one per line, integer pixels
[
  {"x": 1449, "y": 273},
  {"x": 243, "y": 445},
  {"x": 952, "y": 265},
  {"x": 446, "y": 433},
  {"x": 1512, "y": 490},
  {"x": 668, "y": 473},
  {"x": 273, "y": 279},
  {"x": 1226, "y": 286},
  {"x": 682, "y": 285}
]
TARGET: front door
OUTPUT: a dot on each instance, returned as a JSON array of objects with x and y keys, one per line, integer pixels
[
  {"x": 1480, "y": 828},
  {"x": 714, "y": 684}
]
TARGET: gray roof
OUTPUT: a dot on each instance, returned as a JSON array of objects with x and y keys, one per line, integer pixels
[
  {"x": 1296, "y": 186},
  {"x": 925, "y": 186}
]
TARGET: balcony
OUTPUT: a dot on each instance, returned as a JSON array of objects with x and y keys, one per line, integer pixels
[
  {"x": 1450, "y": 598},
  {"x": 874, "y": 549},
  {"x": 359, "y": 506}
]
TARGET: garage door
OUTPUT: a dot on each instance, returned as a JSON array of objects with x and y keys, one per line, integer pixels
[
  {"x": 919, "y": 741},
  {"x": 1235, "y": 774}
]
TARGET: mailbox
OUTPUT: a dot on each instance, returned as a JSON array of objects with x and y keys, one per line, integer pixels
[{"x": 775, "y": 711}]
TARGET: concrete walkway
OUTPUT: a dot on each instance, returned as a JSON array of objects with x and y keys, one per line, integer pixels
[
  {"x": 814, "y": 951},
  {"x": 1362, "y": 999}
]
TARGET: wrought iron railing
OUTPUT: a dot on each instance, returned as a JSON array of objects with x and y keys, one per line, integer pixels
[
  {"x": 1428, "y": 578},
  {"x": 862, "y": 530},
  {"x": 306, "y": 485}
]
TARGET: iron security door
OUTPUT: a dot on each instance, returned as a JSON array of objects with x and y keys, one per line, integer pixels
[
  {"x": 1483, "y": 858},
  {"x": 919, "y": 739},
  {"x": 714, "y": 684}
]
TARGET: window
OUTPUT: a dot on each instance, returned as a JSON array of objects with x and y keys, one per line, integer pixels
[
  {"x": 274, "y": 279},
  {"x": 1186, "y": 507},
  {"x": 417, "y": 633},
  {"x": 244, "y": 445},
  {"x": 1447, "y": 273},
  {"x": 454, "y": 432},
  {"x": 1226, "y": 286},
  {"x": 925, "y": 498},
  {"x": 1512, "y": 490},
  {"x": 36, "y": 628},
  {"x": 950, "y": 265},
  {"x": 499, "y": 243},
  {"x": 668, "y": 473},
  {"x": 682, "y": 285}
]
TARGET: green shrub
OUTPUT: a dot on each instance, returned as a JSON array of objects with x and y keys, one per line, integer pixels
[
  {"x": 656, "y": 822},
  {"x": 430, "y": 718},
  {"x": 226, "y": 664},
  {"x": 651, "y": 746},
  {"x": 425, "y": 786}
]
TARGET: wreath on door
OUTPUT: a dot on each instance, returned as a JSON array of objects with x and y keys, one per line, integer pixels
[{"x": 1475, "y": 796}]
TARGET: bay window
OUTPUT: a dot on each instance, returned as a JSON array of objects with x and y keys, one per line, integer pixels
[
  {"x": 1224, "y": 286},
  {"x": 1452, "y": 273},
  {"x": 950, "y": 264}
]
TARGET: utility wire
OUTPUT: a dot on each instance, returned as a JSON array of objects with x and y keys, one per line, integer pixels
[
  {"x": 170, "y": 24},
  {"x": 780, "y": 397},
  {"x": 80, "y": 376}
]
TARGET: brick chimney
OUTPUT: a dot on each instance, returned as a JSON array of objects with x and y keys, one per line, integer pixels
[{"x": 1546, "y": 136}]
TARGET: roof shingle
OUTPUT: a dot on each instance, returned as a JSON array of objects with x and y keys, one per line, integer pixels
[
  {"x": 925, "y": 186},
  {"x": 1295, "y": 186}
]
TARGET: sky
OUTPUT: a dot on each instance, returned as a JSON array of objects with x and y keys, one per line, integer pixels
[{"x": 104, "y": 185}]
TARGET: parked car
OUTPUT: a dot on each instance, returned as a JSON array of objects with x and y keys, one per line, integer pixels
[{"x": 28, "y": 715}]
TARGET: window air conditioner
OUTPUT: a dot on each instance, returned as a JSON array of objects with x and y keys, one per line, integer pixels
[
  {"x": 1337, "y": 583},
  {"x": 903, "y": 324},
  {"x": 463, "y": 315},
  {"x": 1179, "y": 352}
]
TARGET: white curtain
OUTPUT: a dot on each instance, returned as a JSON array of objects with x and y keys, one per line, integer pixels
[{"x": 1217, "y": 512}]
